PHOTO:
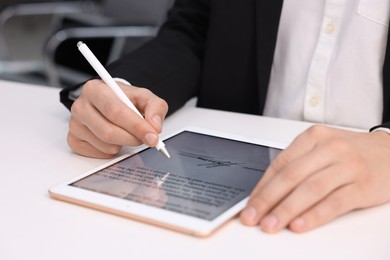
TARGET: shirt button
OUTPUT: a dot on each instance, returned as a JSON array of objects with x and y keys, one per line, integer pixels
[
  {"x": 314, "y": 101},
  {"x": 330, "y": 28}
]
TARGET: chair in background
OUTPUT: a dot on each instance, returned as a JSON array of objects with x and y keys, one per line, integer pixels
[
  {"x": 25, "y": 26},
  {"x": 123, "y": 26}
]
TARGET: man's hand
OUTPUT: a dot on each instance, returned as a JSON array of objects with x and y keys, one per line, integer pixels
[
  {"x": 101, "y": 124},
  {"x": 323, "y": 174}
]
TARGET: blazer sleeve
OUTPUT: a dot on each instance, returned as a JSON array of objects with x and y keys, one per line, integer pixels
[{"x": 170, "y": 64}]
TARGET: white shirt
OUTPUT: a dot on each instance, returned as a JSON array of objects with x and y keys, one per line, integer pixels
[{"x": 328, "y": 62}]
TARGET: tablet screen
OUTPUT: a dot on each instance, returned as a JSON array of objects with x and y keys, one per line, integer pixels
[{"x": 205, "y": 176}]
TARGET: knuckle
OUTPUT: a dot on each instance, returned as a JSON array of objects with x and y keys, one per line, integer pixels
[
  {"x": 72, "y": 125},
  {"x": 112, "y": 149},
  {"x": 161, "y": 103},
  {"x": 317, "y": 130},
  {"x": 139, "y": 129},
  {"x": 260, "y": 202},
  {"x": 335, "y": 206},
  {"x": 141, "y": 93},
  {"x": 73, "y": 142},
  {"x": 144, "y": 91},
  {"x": 279, "y": 162},
  {"x": 77, "y": 107},
  {"x": 134, "y": 142},
  {"x": 339, "y": 204},
  {"x": 112, "y": 111},
  {"x": 106, "y": 134},
  {"x": 89, "y": 87},
  {"x": 316, "y": 186},
  {"x": 286, "y": 172},
  {"x": 291, "y": 176},
  {"x": 70, "y": 139},
  {"x": 316, "y": 214},
  {"x": 285, "y": 209}
]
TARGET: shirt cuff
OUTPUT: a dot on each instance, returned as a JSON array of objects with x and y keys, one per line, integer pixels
[
  {"x": 74, "y": 94},
  {"x": 382, "y": 129},
  {"x": 123, "y": 81}
]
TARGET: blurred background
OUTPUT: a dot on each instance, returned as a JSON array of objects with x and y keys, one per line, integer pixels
[{"x": 38, "y": 38}]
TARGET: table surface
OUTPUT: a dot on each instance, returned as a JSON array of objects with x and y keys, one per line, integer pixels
[{"x": 34, "y": 157}]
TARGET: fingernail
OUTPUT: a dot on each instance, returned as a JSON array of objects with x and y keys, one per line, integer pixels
[
  {"x": 249, "y": 215},
  {"x": 151, "y": 139},
  {"x": 269, "y": 223},
  {"x": 157, "y": 121},
  {"x": 298, "y": 224}
]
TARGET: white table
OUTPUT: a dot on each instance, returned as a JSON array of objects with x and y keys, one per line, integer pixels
[{"x": 34, "y": 157}]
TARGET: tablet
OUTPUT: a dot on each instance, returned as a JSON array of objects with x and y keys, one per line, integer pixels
[{"x": 205, "y": 183}]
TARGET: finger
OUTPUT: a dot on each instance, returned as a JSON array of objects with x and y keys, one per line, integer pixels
[
  {"x": 153, "y": 107},
  {"x": 79, "y": 132},
  {"x": 107, "y": 132},
  {"x": 303, "y": 197},
  {"x": 283, "y": 183},
  {"x": 300, "y": 146},
  {"x": 336, "y": 204},
  {"x": 117, "y": 113},
  {"x": 83, "y": 148}
]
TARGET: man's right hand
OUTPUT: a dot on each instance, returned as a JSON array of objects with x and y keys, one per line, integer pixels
[{"x": 101, "y": 124}]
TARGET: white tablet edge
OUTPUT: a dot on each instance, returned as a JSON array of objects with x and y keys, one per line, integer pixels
[{"x": 172, "y": 220}]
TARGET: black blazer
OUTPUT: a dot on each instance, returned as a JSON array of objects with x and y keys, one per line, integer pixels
[{"x": 218, "y": 50}]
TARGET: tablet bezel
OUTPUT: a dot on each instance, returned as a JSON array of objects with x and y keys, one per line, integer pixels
[{"x": 153, "y": 215}]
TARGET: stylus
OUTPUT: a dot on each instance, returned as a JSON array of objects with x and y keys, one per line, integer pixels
[{"x": 106, "y": 77}]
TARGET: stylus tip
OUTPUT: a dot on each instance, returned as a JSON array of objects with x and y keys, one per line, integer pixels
[{"x": 164, "y": 151}]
